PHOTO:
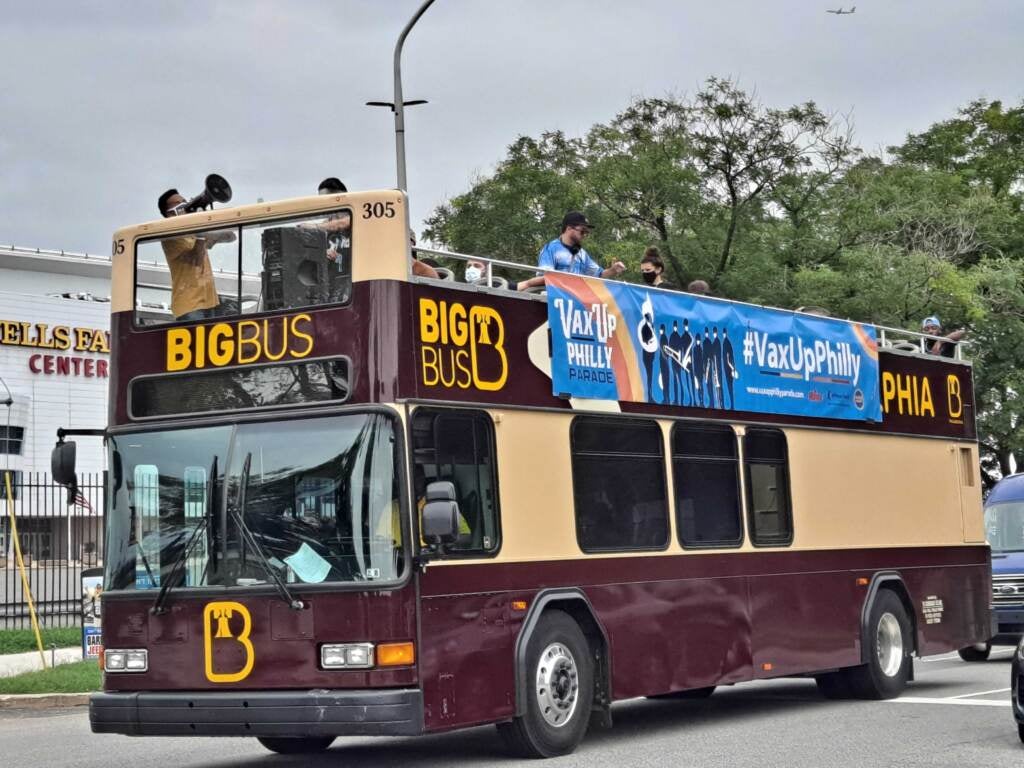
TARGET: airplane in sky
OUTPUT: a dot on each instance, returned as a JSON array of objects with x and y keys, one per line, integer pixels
[{"x": 840, "y": 12}]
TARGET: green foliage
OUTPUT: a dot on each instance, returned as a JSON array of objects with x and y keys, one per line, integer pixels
[
  {"x": 77, "y": 677},
  {"x": 886, "y": 286},
  {"x": 998, "y": 351},
  {"x": 984, "y": 145},
  {"x": 24, "y": 640}
]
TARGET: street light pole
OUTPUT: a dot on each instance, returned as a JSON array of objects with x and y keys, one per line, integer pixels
[{"x": 398, "y": 105}]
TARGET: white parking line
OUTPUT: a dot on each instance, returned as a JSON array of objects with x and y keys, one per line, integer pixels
[
  {"x": 996, "y": 654},
  {"x": 980, "y": 693},
  {"x": 964, "y": 702}
]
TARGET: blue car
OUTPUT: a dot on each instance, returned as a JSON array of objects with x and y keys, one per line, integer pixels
[{"x": 1004, "y": 528}]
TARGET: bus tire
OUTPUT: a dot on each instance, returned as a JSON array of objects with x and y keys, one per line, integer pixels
[
  {"x": 977, "y": 652},
  {"x": 889, "y": 651},
  {"x": 560, "y": 685},
  {"x": 296, "y": 745}
]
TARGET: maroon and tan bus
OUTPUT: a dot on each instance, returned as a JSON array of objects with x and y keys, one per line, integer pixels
[{"x": 346, "y": 502}]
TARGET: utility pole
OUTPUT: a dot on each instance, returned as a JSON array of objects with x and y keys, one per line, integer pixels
[{"x": 398, "y": 105}]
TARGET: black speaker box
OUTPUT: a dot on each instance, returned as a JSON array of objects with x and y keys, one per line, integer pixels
[{"x": 296, "y": 271}]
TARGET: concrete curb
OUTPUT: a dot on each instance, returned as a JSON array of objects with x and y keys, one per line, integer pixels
[{"x": 44, "y": 700}]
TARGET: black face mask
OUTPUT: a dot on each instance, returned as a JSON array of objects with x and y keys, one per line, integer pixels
[{"x": 649, "y": 277}]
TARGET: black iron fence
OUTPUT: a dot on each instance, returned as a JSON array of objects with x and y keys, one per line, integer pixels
[{"x": 60, "y": 535}]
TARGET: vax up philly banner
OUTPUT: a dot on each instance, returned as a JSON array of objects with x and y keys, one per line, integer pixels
[{"x": 613, "y": 341}]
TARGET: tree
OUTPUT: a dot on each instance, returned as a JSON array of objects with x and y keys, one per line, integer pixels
[
  {"x": 745, "y": 149},
  {"x": 637, "y": 168},
  {"x": 510, "y": 214},
  {"x": 984, "y": 145},
  {"x": 998, "y": 351},
  {"x": 916, "y": 209}
]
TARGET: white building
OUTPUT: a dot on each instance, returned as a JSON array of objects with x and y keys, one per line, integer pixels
[
  {"x": 54, "y": 354},
  {"x": 55, "y": 361}
]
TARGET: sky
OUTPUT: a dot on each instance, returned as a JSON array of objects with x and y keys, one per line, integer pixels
[{"x": 103, "y": 105}]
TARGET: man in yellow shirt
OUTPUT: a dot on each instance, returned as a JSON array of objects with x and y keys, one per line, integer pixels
[{"x": 193, "y": 290}]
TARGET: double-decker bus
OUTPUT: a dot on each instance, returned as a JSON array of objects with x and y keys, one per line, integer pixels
[{"x": 351, "y": 501}]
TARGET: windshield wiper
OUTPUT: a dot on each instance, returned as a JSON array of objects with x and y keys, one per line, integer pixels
[
  {"x": 204, "y": 522},
  {"x": 238, "y": 513}
]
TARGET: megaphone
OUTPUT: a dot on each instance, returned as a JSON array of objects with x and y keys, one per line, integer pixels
[{"x": 217, "y": 190}]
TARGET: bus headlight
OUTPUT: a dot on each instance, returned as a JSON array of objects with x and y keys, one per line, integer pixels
[
  {"x": 346, "y": 656},
  {"x": 136, "y": 660}
]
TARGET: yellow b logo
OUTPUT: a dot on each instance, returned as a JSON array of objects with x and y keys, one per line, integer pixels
[
  {"x": 956, "y": 403},
  {"x": 217, "y": 627}
]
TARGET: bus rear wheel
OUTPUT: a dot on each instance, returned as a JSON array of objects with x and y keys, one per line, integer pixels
[
  {"x": 560, "y": 690},
  {"x": 889, "y": 651},
  {"x": 297, "y": 745}
]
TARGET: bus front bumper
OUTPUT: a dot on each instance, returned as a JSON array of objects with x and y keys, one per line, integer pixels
[{"x": 396, "y": 712}]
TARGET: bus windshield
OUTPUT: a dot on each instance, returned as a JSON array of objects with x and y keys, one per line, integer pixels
[
  {"x": 319, "y": 497},
  {"x": 1004, "y": 526}
]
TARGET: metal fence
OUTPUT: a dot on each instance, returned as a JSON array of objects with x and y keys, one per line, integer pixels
[{"x": 59, "y": 537}]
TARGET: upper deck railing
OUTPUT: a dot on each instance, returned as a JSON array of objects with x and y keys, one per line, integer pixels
[{"x": 894, "y": 339}]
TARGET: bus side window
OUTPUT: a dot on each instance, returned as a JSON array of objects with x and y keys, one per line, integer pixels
[
  {"x": 766, "y": 465},
  {"x": 458, "y": 446},
  {"x": 618, "y": 481},
  {"x": 705, "y": 468}
]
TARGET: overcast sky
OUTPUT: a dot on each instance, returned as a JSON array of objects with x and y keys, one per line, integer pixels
[{"x": 103, "y": 105}]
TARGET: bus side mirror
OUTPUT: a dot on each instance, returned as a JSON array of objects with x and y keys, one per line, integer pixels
[
  {"x": 440, "y": 520},
  {"x": 62, "y": 462}
]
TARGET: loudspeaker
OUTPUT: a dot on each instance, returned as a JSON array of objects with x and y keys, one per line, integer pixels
[{"x": 296, "y": 271}]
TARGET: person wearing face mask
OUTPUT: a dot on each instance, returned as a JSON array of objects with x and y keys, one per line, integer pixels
[
  {"x": 474, "y": 271},
  {"x": 652, "y": 269}
]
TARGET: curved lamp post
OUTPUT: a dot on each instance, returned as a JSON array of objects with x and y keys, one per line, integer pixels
[{"x": 398, "y": 105}]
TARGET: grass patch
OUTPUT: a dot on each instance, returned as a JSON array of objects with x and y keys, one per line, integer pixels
[
  {"x": 24, "y": 640},
  {"x": 78, "y": 677}
]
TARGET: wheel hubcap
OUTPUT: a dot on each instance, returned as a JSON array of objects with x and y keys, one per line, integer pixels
[
  {"x": 557, "y": 685},
  {"x": 889, "y": 645}
]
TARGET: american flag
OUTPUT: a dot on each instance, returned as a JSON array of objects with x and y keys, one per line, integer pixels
[{"x": 81, "y": 501}]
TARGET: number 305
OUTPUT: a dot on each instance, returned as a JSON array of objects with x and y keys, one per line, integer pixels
[{"x": 378, "y": 210}]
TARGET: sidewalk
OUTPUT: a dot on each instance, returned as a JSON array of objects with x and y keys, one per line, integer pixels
[{"x": 16, "y": 663}]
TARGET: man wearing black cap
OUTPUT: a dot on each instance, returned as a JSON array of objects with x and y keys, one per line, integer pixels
[{"x": 566, "y": 254}]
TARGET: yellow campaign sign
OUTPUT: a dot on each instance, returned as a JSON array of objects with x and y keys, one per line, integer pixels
[{"x": 217, "y": 617}]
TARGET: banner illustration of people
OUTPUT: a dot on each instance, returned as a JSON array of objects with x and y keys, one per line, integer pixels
[{"x": 614, "y": 341}]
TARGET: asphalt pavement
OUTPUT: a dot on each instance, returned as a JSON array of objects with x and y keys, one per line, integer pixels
[{"x": 955, "y": 715}]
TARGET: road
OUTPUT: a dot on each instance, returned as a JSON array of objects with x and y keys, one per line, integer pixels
[{"x": 955, "y": 714}]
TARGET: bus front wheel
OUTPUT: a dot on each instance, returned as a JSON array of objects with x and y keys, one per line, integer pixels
[
  {"x": 296, "y": 745},
  {"x": 889, "y": 651},
  {"x": 560, "y": 690}
]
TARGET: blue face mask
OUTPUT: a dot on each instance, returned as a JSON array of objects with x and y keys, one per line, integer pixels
[{"x": 473, "y": 274}]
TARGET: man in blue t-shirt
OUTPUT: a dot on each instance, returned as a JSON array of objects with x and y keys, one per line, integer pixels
[{"x": 565, "y": 253}]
